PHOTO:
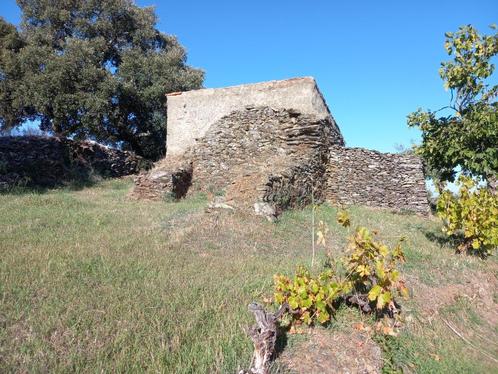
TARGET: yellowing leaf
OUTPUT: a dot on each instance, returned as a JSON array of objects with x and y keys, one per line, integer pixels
[
  {"x": 323, "y": 317},
  {"x": 383, "y": 299},
  {"x": 374, "y": 292}
]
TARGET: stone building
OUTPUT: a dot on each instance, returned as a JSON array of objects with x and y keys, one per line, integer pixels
[{"x": 274, "y": 145}]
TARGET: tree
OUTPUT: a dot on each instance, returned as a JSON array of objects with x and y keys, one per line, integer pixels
[
  {"x": 13, "y": 111},
  {"x": 467, "y": 138},
  {"x": 100, "y": 69}
]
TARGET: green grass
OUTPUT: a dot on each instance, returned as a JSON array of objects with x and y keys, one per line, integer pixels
[{"x": 92, "y": 281}]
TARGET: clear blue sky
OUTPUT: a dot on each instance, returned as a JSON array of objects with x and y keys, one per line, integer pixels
[{"x": 374, "y": 61}]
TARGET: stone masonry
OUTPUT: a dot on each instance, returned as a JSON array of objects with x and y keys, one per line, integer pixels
[
  {"x": 254, "y": 154},
  {"x": 39, "y": 161},
  {"x": 271, "y": 146},
  {"x": 192, "y": 113},
  {"x": 363, "y": 177}
]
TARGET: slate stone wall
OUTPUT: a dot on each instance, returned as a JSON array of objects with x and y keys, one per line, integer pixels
[
  {"x": 257, "y": 140},
  {"x": 276, "y": 157},
  {"x": 38, "y": 161},
  {"x": 253, "y": 154},
  {"x": 299, "y": 184},
  {"x": 364, "y": 177}
]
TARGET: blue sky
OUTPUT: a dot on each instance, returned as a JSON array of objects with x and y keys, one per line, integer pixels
[{"x": 374, "y": 61}]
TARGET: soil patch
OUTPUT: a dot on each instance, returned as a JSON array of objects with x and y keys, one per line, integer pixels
[{"x": 334, "y": 352}]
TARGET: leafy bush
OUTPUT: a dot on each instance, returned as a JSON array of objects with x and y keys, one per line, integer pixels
[
  {"x": 310, "y": 298},
  {"x": 472, "y": 215},
  {"x": 372, "y": 271},
  {"x": 343, "y": 218}
]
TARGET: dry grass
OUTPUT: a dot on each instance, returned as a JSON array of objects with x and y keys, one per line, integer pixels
[{"x": 93, "y": 281}]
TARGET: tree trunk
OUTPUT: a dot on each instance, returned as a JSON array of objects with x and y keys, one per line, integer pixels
[{"x": 493, "y": 183}]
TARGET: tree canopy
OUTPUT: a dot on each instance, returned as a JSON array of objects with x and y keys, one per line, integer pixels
[
  {"x": 12, "y": 110},
  {"x": 467, "y": 138},
  {"x": 92, "y": 69}
]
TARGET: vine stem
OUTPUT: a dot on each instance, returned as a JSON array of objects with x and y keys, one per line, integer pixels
[{"x": 312, "y": 227}]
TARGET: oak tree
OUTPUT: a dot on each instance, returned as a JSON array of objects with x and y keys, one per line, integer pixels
[{"x": 96, "y": 69}]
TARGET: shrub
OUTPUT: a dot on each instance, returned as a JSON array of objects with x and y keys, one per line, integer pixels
[
  {"x": 310, "y": 298},
  {"x": 472, "y": 216},
  {"x": 371, "y": 280},
  {"x": 372, "y": 272}
]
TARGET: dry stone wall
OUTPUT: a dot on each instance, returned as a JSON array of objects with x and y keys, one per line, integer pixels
[
  {"x": 47, "y": 161},
  {"x": 255, "y": 154},
  {"x": 257, "y": 140},
  {"x": 297, "y": 185},
  {"x": 363, "y": 177}
]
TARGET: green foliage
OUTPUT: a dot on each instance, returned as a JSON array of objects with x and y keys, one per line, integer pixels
[
  {"x": 311, "y": 298},
  {"x": 468, "y": 137},
  {"x": 472, "y": 214},
  {"x": 343, "y": 218},
  {"x": 97, "y": 69},
  {"x": 371, "y": 278},
  {"x": 13, "y": 110},
  {"x": 372, "y": 269}
]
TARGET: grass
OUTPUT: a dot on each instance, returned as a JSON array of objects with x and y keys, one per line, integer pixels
[{"x": 92, "y": 281}]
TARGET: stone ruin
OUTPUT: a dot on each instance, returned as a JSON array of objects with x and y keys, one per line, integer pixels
[{"x": 271, "y": 146}]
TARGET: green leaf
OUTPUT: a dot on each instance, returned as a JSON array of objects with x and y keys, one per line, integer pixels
[
  {"x": 306, "y": 303},
  {"x": 293, "y": 302},
  {"x": 374, "y": 292},
  {"x": 384, "y": 299}
]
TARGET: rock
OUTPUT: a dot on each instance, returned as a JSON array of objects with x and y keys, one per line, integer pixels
[
  {"x": 219, "y": 203},
  {"x": 265, "y": 210}
]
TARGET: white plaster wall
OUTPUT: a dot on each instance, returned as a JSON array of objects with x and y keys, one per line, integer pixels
[{"x": 191, "y": 114}]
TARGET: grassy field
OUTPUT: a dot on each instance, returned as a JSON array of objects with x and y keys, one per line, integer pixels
[{"x": 91, "y": 281}]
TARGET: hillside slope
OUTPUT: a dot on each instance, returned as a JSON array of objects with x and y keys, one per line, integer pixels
[{"x": 91, "y": 280}]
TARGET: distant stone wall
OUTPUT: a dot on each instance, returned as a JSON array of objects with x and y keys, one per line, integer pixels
[
  {"x": 48, "y": 162},
  {"x": 363, "y": 177},
  {"x": 192, "y": 113}
]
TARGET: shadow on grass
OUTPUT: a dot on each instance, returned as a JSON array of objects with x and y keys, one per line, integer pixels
[
  {"x": 70, "y": 185},
  {"x": 456, "y": 242},
  {"x": 281, "y": 342},
  {"x": 442, "y": 239}
]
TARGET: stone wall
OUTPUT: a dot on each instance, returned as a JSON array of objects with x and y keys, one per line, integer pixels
[
  {"x": 257, "y": 154},
  {"x": 257, "y": 140},
  {"x": 47, "y": 162},
  {"x": 298, "y": 184},
  {"x": 364, "y": 177},
  {"x": 262, "y": 155},
  {"x": 192, "y": 113}
]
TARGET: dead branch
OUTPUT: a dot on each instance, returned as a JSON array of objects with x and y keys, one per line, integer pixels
[
  {"x": 361, "y": 301},
  {"x": 264, "y": 337},
  {"x": 455, "y": 331}
]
